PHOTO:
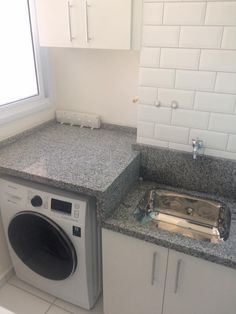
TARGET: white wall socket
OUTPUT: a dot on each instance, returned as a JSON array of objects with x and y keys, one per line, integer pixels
[{"x": 77, "y": 118}]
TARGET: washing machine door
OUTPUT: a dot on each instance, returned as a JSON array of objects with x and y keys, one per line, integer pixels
[{"x": 42, "y": 245}]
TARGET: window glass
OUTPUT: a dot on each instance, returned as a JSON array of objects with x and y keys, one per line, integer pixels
[{"x": 18, "y": 71}]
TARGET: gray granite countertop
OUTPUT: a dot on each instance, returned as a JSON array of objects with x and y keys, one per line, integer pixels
[
  {"x": 123, "y": 221},
  {"x": 80, "y": 160},
  {"x": 101, "y": 163}
]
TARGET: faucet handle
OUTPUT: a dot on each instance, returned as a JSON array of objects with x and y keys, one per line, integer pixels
[
  {"x": 197, "y": 148},
  {"x": 197, "y": 143}
]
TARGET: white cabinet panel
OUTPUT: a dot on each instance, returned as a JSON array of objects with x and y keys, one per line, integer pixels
[
  {"x": 133, "y": 275},
  {"x": 58, "y": 24},
  {"x": 109, "y": 24},
  {"x": 100, "y": 24},
  {"x": 197, "y": 286}
]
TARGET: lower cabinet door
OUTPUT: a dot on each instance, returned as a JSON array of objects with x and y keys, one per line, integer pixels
[
  {"x": 134, "y": 274},
  {"x": 196, "y": 286}
]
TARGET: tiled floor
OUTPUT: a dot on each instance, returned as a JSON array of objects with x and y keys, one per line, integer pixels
[{"x": 17, "y": 297}]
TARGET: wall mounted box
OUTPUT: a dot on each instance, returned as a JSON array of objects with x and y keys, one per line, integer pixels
[{"x": 77, "y": 118}]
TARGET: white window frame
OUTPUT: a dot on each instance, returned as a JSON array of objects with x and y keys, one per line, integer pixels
[{"x": 19, "y": 109}]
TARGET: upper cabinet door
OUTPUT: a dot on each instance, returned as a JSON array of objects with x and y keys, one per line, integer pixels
[
  {"x": 59, "y": 24},
  {"x": 196, "y": 286},
  {"x": 108, "y": 24}
]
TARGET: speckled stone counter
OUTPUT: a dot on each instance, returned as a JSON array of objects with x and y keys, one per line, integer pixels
[
  {"x": 177, "y": 168},
  {"x": 92, "y": 162},
  {"x": 123, "y": 221}
]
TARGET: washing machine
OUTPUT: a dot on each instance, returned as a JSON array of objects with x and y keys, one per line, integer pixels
[{"x": 53, "y": 240}]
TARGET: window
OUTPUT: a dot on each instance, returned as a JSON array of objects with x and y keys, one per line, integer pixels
[{"x": 20, "y": 77}]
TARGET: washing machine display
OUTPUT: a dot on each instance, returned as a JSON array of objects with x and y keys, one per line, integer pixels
[
  {"x": 42, "y": 245},
  {"x": 61, "y": 206}
]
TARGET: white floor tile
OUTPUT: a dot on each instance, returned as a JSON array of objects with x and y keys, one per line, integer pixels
[
  {"x": 98, "y": 309},
  {"x": 57, "y": 310},
  {"x": 21, "y": 302},
  {"x": 24, "y": 286},
  {"x": 4, "y": 311}
]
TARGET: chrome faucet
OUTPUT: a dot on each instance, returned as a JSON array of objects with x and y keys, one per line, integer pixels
[{"x": 197, "y": 148}]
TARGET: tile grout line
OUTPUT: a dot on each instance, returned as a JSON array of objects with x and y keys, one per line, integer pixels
[
  {"x": 60, "y": 307},
  {"x": 11, "y": 284},
  {"x": 50, "y": 306},
  {"x": 187, "y": 47}
]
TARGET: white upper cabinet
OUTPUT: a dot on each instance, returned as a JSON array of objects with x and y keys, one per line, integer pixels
[
  {"x": 100, "y": 24},
  {"x": 58, "y": 24},
  {"x": 109, "y": 23}
]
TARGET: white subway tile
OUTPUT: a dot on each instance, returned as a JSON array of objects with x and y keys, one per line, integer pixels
[
  {"x": 179, "y": 58},
  {"x": 232, "y": 144},
  {"x": 220, "y": 153},
  {"x": 145, "y": 129},
  {"x": 229, "y": 38},
  {"x": 152, "y": 13},
  {"x": 189, "y": 13},
  {"x": 214, "y": 102},
  {"x": 150, "y": 57},
  {"x": 226, "y": 82},
  {"x": 218, "y": 60},
  {"x": 151, "y": 141},
  {"x": 190, "y": 118},
  {"x": 154, "y": 114},
  {"x": 146, "y": 1},
  {"x": 147, "y": 95},
  {"x": 182, "y": 147},
  {"x": 221, "y": 13},
  {"x": 182, "y": 0},
  {"x": 195, "y": 80},
  {"x": 171, "y": 133},
  {"x": 210, "y": 139},
  {"x": 182, "y": 97},
  {"x": 157, "y": 77},
  {"x": 161, "y": 36},
  {"x": 200, "y": 36},
  {"x": 223, "y": 123}
]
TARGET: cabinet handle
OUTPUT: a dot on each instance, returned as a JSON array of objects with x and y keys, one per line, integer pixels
[
  {"x": 177, "y": 275},
  {"x": 87, "y": 22},
  {"x": 69, "y": 21},
  {"x": 154, "y": 262}
]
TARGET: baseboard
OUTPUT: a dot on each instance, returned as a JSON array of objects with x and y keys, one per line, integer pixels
[{"x": 6, "y": 276}]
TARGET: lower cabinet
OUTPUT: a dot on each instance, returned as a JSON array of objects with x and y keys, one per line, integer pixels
[
  {"x": 143, "y": 278},
  {"x": 133, "y": 275},
  {"x": 196, "y": 286}
]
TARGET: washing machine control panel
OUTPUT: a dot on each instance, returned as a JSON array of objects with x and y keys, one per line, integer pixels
[{"x": 60, "y": 206}]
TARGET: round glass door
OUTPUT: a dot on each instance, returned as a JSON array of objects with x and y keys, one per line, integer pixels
[{"x": 42, "y": 245}]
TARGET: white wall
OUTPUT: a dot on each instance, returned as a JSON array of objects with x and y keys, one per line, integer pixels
[
  {"x": 30, "y": 121},
  {"x": 96, "y": 81},
  {"x": 189, "y": 56}
]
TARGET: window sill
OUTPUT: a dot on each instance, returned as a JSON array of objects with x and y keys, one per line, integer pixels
[{"x": 15, "y": 112}]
